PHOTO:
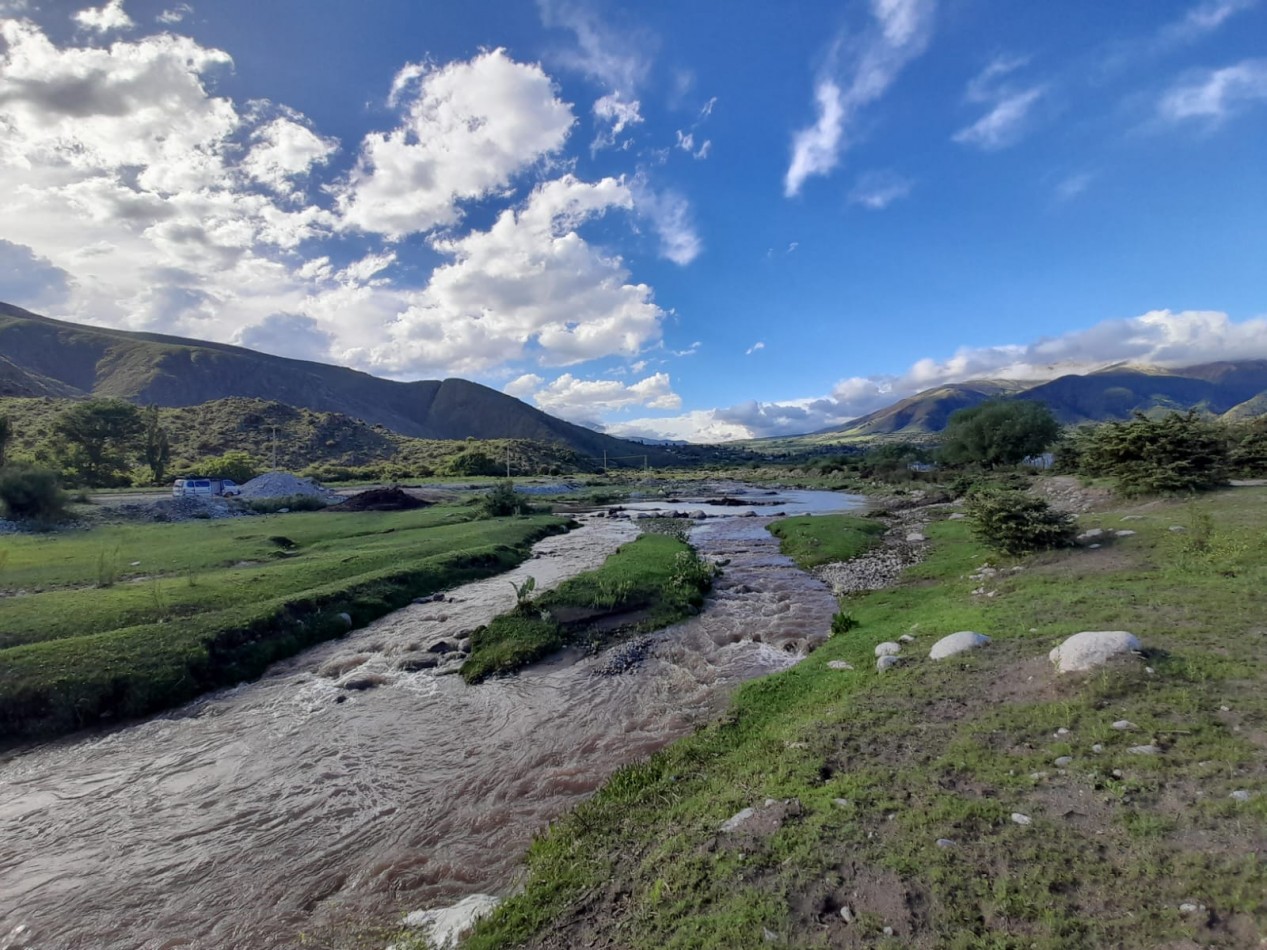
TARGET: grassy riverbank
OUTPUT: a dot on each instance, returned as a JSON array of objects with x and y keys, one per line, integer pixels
[
  {"x": 936, "y": 799},
  {"x": 126, "y": 620},
  {"x": 814, "y": 540},
  {"x": 649, "y": 583}
]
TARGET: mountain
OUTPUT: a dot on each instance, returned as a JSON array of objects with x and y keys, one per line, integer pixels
[
  {"x": 40, "y": 356},
  {"x": 1233, "y": 389}
]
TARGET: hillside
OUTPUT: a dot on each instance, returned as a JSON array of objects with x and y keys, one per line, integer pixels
[
  {"x": 46, "y": 357},
  {"x": 1235, "y": 389}
]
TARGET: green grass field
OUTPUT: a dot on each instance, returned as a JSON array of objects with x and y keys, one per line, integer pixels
[
  {"x": 812, "y": 540},
  {"x": 868, "y": 772},
  {"x": 655, "y": 579},
  {"x": 124, "y": 620}
]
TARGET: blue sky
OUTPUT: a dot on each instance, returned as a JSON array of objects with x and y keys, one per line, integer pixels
[{"x": 704, "y": 220}]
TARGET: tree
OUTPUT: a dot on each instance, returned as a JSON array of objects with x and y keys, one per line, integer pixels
[
  {"x": 1180, "y": 453},
  {"x": 157, "y": 450},
  {"x": 99, "y": 439},
  {"x": 236, "y": 465},
  {"x": 998, "y": 433},
  {"x": 6, "y": 434}
]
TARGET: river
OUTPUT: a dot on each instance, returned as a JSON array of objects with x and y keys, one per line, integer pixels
[{"x": 289, "y": 806}]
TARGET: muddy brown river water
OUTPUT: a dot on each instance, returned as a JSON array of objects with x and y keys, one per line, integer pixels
[{"x": 272, "y": 810}]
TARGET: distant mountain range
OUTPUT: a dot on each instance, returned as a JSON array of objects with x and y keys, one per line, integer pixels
[
  {"x": 41, "y": 357},
  {"x": 1232, "y": 389}
]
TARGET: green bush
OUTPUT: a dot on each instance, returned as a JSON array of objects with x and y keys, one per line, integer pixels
[
  {"x": 31, "y": 494},
  {"x": 1015, "y": 522},
  {"x": 1180, "y": 453},
  {"x": 503, "y": 500},
  {"x": 267, "y": 506}
]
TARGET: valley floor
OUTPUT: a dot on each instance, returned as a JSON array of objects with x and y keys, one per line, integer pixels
[{"x": 980, "y": 801}]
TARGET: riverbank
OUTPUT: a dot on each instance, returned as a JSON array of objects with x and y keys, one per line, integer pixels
[
  {"x": 982, "y": 800},
  {"x": 128, "y": 620}
]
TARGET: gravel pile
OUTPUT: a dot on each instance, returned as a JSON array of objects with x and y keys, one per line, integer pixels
[{"x": 285, "y": 485}]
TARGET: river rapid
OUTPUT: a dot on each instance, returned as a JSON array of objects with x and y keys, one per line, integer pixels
[{"x": 290, "y": 806}]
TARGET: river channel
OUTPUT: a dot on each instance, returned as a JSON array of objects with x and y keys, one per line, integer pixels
[{"x": 289, "y": 806}]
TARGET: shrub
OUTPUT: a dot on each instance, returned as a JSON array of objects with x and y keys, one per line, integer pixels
[
  {"x": 266, "y": 506},
  {"x": 1180, "y": 453},
  {"x": 502, "y": 500},
  {"x": 1015, "y": 522},
  {"x": 31, "y": 494},
  {"x": 843, "y": 621}
]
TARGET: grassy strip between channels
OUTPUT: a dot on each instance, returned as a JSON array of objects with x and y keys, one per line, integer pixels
[
  {"x": 978, "y": 802},
  {"x": 649, "y": 583},
  {"x": 814, "y": 540},
  {"x": 222, "y": 601}
]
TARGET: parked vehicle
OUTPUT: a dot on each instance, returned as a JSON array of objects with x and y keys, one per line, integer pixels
[{"x": 184, "y": 487}]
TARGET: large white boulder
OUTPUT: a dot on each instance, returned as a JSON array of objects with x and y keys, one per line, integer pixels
[
  {"x": 1092, "y": 648},
  {"x": 957, "y": 643}
]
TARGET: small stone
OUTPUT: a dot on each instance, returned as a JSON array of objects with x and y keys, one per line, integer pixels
[
  {"x": 1189, "y": 908},
  {"x": 887, "y": 931},
  {"x": 768, "y": 935},
  {"x": 888, "y": 648},
  {"x": 1037, "y": 776},
  {"x": 840, "y": 802},
  {"x": 839, "y": 665},
  {"x": 1064, "y": 761},
  {"x": 1149, "y": 749},
  {"x": 1062, "y": 731},
  {"x": 1124, "y": 725},
  {"x": 1020, "y": 819},
  {"x": 1225, "y": 709},
  {"x": 1125, "y": 534},
  {"x": 1091, "y": 535},
  {"x": 1241, "y": 795},
  {"x": 915, "y": 537},
  {"x": 846, "y": 914},
  {"x": 886, "y": 663},
  {"x": 945, "y": 842},
  {"x": 1117, "y": 773},
  {"x": 906, "y": 638},
  {"x": 957, "y": 516},
  {"x": 1177, "y": 528},
  {"x": 1092, "y": 546},
  {"x": 1097, "y": 748},
  {"x": 346, "y": 620},
  {"x": 736, "y": 820}
]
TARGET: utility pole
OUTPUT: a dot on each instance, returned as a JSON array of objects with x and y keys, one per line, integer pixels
[
  {"x": 604, "y": 461},
  {"x": 274, "y": 428},
  {"x": 508, "y": 461}
]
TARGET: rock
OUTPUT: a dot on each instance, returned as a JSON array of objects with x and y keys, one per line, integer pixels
[
  {"x": 364, "y": 682},
  {"x": 1062, "y": 731},
  {"x": 1097, "y": 748},
  {"x": 736, "y": 821},
  {"x": 846, "y": 914},
  {"x": 906, "y": 638},
  {"x": 1093, "y": 546},
  {"x": 840, "y": 802},
  {"x": 333, "y": 669},
  {"x": 422, "y": 661},
  {"x": 1187, "y": 907},
  {"x": 957, "y": 643},
  {"x": 441, "y": 646},
  {"x": 346, "y": 620},
  {"x": 768, "y": 935},
  {"x": 1091, "y": 535},
  {"x": 443, "y": 927},
  {"x": 1149, "y": 749},
  {"x": 887, "y": 931},
  {"x": 1177, "y": 528},
  {"x": 886, "y": 663},
  {"x": 1124, "y": 534},
  {"x": 1092, "y": 648},
  {"x": 1020, "y": 819},
  {"x": 915, "y": 537},
  {"x": 1124, "y": 725},
  {"x": 888, "y": 648},
  {"x": 1241, "y": 795},
  {"x": 945, "y": 842},
  {"x": 1063, "y": 762},
  {"x": 957, "y": 516},
  {"x": 839, "y": 665}
]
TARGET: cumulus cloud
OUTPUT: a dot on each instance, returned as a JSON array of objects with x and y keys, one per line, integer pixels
[
  {"x": 467, "y": 129},
  {"x": 105, "y": 19},
  {"x": 528, "y": 286},
  {"x": 1216, "y": 94},
  {"x": 670, "y": 216},
  {"x": 285, "y": 150},
  {"x": 899, "y": 32},
  {"x": 1004, "y": 123},
  {"x": 1157, "y": 338},
  {"x": 876, "y": 190},
  {"x": 587, "y": 400}
]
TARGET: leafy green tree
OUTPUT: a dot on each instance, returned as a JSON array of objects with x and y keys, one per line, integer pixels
[
  {"x": 31, "y": 494},
  {"x": 473, "y": 462},
  {"x": 998, "y": 433},
  {"x": 98, "y": 439},
  {"x": 6, "y": 434},
  {"x": 238, "y": 466},
  {"x": 158, "y": 451},
  {"x": 1180, "y": 453}
]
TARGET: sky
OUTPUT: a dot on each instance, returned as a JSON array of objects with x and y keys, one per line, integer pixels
[{"x": 703, "y": 221}]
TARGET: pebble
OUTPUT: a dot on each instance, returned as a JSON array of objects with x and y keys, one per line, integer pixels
[
  {"x": 906, "y": 638},
  {"x": 1117, "y": 773},
  {"x": 915, "y": 537},
  {"x": 840, "y": 802},
  {"x": 888, "y": 648},
  {"x": 1097, "y": 748},
  {"x": 1020, "y": 819},
  {"x": 1189, "y": 908},
  {"x": 1123, "y": 725},
  {"x": 839, "y": 665},
  {"x": 1241, "y": 795},
  {"x": 1064, "y": 761},
  {"x": 1149, "y": 749},
  {"x": 1125, "y": 534},
  {"x": 1177, "y": 528},
  {"x": 945, "y": 842},
  {"x": 736, "y": 820},
  {"x": 846, "y": 914},
  {"x": 886, "y": 663},
  {"x": 887, "y": 931},
  {"x": 1062, "y": 731}
]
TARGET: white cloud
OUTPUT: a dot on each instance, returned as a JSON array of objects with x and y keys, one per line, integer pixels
[
  {"x": 1157, "y": 338},
  {"x": 105, "y": 19},
  {"x": 468, "y": 128},
  {"x": 1004, "y": 124},
  {"x": 285, "y": 150},
  {"x": 686, "y": 142},
  {"x": 1216, "y": 94},
  {"x": 1205, "y": 17},
  {"x": 877, "y": 190},
  {"x": 588, "y": 400},
  {"x": 614, "y": 116},
  {"x": 670, "y": 216},
  {"x": 759, "y": 345},
  {"x": 530, "y": 285},
  {"x": 175, "y": 15},
  {"x": 900, "y": 32},
  {"x": 610, "y": 57}
]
